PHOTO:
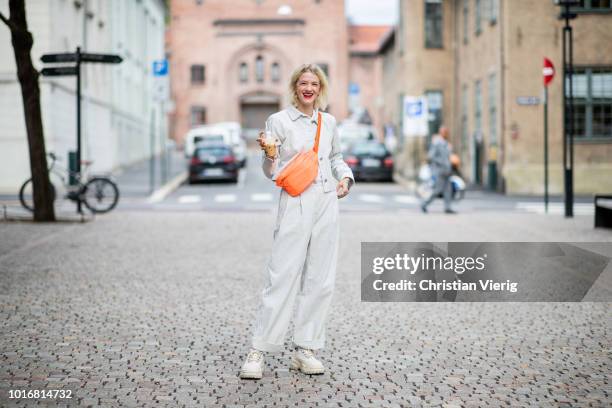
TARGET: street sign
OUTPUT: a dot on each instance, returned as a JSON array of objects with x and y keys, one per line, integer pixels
[
  {"x": 415, "y": 116},
  {"x": 160, "y": 67},
  {"x": 528, "y": 100},
  {"x": 59, "y": 71},
  {"x": 85, "y": 57},
  {"x": 65, "y": 57},
  {"x": 548, "y": 71},
  {"x": 101, "y": 58}
]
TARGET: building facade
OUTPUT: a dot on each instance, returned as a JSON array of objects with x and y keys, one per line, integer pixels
[
  {"x": 118, "y": 104},
  {"x": 230, "y": 60},
  {"x": 483, "y": 59},
  {"x": 365, "y": 72}
]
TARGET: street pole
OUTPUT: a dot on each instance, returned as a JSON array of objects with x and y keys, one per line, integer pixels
[
  {"x": 568, "y": 122},
  {"x": 546, "y": 149},
  {"x": 152, "y": 158},
  {"x": 78, "y": 114}
]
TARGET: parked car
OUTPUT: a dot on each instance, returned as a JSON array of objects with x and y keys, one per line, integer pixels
[
  {"x": 229, "y": 133},
  {"x": 351, "y": 133},
  {"x": 370, "y": 161},
  {"x": 213, "y": 161}
]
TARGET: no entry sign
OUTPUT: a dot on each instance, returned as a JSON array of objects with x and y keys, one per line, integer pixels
[{"x": 548, "y": 71}]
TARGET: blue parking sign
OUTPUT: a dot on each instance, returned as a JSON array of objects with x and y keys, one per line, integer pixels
[
  {"x": 414, "y": 109},
  {"x": 160, "y": 67}
]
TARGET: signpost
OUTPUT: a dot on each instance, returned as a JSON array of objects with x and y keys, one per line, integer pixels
[
  {"x": 548, "y": 73},
  {"x": 161, "y": 92},
  {"x": 77, "y": 57}
]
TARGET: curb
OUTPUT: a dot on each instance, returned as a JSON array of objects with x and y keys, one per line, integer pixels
[{"x": 162, "y": 192}]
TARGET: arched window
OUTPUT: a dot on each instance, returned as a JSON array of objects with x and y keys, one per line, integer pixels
[
  {"x": 259, "y": 68},
  {"x": 275, "y": 72},
  {"x": 243, "y": 73}
]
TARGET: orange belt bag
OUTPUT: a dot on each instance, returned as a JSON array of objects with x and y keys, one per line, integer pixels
[{"x": 302, "y": 169}]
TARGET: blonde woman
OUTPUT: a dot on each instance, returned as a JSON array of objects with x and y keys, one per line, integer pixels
[{"x": 301, "y": 269}]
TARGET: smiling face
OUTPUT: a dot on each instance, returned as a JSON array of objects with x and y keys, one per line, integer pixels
[{"x": 307, "y": 88}]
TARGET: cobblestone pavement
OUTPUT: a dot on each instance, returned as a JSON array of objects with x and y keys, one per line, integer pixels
[{"x": 154, "y": 309}]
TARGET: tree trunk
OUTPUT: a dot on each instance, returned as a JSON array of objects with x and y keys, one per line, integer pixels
[{"x": 22, "y": 41}]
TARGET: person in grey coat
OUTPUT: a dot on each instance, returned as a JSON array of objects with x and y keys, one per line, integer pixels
[{"x": 441, "y": 169}]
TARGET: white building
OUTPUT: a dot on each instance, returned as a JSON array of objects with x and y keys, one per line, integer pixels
[{"x": 119, "y": 111}]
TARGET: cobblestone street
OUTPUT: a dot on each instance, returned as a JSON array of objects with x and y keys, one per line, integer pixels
[{"x": 154, "y": 309}]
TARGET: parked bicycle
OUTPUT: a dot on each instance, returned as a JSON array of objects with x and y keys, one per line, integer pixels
[{"x": 98, "y": 193}]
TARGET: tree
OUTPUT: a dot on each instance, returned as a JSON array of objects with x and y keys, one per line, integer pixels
[{"x": 22, "y": 41}]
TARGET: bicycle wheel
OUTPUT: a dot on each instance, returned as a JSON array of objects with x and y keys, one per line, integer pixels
[
  {"x": 26, "y": 195},
  {"x": 100, "y": 195}
]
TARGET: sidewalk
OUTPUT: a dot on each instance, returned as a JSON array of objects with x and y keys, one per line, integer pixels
[
  {"x": 155, "y": 309},
  {"x": 135, "y": 180}
]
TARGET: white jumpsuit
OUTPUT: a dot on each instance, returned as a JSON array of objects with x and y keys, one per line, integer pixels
[{"x": 302, "y": 265}]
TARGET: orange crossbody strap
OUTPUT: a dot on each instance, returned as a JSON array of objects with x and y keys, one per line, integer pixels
[{"x": 316, "y": 145}]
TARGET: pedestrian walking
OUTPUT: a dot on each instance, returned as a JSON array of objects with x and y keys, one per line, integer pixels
[
  {"x": 441, "y": 168},
  {"x": 302, "y": 266}
]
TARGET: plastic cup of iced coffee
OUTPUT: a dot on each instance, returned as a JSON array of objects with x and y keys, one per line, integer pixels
[{"x": 270, "y": 143}]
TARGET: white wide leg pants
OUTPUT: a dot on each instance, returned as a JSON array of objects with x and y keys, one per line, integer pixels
[{"x": 302, "y": 267}]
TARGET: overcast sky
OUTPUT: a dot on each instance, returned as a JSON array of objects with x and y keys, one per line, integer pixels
[{"x": 372, "y": 12}]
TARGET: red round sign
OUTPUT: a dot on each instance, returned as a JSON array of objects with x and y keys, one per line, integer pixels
[{"x": 548, "y": 71}]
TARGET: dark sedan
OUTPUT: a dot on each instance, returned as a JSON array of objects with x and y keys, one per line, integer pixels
[
  {"x": 213, "y": 162},
  {"x": 370, "y": 161}
]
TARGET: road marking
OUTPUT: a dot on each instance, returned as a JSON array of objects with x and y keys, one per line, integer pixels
[
  {"x": 189, "y": 199},
  {"x": 406, "y": 199},
  {"x": 261, "y": 197},
  {"x": 225, "y": 198},
  {"x": 555, "y": 208},
  {"x": 371, "y": 198},
  {"x": 241, "y": 178}
]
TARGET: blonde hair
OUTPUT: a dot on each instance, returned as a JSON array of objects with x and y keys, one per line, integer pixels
[{"x": 321, "y": 101}]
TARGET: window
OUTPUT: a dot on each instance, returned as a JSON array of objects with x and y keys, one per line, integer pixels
[
  {"x": 197, "y": 74},
  {"x": 243, "y": 72},
  {"x": 493, "y": 11},
  {"x": 198, "y": 115},
  {"x": 433, "y": 24},
  {"x": 259, "y": 69},
  {"x": 592, "y": 89},
  {"x": 478, "y": 15},
  {"x": 275, "y": 72},
  {"x": 594, "y": 6},
  {"x": 466, "y": 20},
  {"x": 492, "y": 110},
  {"x": 478, "y": 107}
]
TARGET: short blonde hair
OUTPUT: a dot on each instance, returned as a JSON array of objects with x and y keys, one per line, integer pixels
[{"x": 321, "y": 101}]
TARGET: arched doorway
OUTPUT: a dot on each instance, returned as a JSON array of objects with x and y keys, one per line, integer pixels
[{"x": 255, "y": 109}]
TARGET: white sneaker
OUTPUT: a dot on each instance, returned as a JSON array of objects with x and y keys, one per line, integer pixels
[
  {"x": 305, "y": 361},
  {"x": 253, "y": 367}
]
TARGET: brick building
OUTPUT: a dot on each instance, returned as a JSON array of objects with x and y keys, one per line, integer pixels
[
  {"x": 365, "y": 71},
  {"x": 479, "y": 62},
  {"x": 230, "y": 60}
]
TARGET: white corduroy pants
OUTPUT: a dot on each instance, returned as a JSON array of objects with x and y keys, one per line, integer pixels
[{"x": 300, "y": 272}]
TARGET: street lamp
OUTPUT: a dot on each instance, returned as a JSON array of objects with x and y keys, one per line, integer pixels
[{"x": 568, "y": 103}]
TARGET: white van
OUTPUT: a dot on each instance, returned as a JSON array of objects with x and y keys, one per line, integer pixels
[
  {"x": 351, "y": 133},
  {"x": 229, "y": 133}
]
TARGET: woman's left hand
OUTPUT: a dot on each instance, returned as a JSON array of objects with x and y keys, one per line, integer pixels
[{"x": 343, "y": 187}]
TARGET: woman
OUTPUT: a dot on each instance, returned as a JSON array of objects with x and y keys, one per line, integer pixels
[{"x": 302, "y": 265}]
